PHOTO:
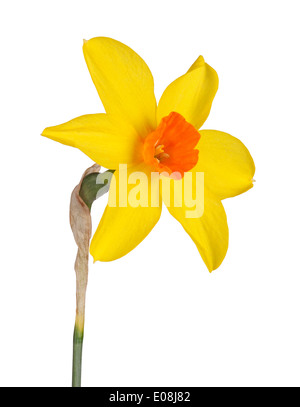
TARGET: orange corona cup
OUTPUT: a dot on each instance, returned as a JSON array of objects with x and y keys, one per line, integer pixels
[{"x": 171, "y": 147}]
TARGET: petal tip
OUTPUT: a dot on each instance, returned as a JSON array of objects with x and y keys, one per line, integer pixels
[
  {"x": 94, "y": 257},
  {"x": 43, "y": 133},
  {"x": 197, "y": 64}
]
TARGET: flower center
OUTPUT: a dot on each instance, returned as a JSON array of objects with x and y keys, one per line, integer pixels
[
  {"x": 171, "y": 148},
  {"x": 160, "y": 155}
]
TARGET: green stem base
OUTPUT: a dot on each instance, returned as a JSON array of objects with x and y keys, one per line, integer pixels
[{"x": 77, "y": 357}]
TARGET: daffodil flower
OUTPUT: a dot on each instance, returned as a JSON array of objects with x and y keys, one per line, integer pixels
[{"x": 163, "y": 138}]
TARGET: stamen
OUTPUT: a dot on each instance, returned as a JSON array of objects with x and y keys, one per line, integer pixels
[{"x": 160, "y": 155}]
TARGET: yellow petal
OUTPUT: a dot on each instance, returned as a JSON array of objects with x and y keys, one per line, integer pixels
[
  {"x": 128, "y": 217},
  {"x": 106, "y": 142},
  {"x": 191, "y": 95},
  {"x": 123, "y": 81},
  {"x": 208, "y": 227},
  {"x": 227, "y": 164}
]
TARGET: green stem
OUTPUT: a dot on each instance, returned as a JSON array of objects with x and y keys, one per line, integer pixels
[{"x": 77, "y": 357}]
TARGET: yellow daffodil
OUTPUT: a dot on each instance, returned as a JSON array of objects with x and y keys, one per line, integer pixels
[{"x": 162, "y": 138}]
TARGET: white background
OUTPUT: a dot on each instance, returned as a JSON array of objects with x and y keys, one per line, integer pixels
[{"x": 155, "y": 317}]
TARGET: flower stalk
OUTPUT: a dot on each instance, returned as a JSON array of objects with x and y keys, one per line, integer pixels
[{"x": 92, "y": 186}]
